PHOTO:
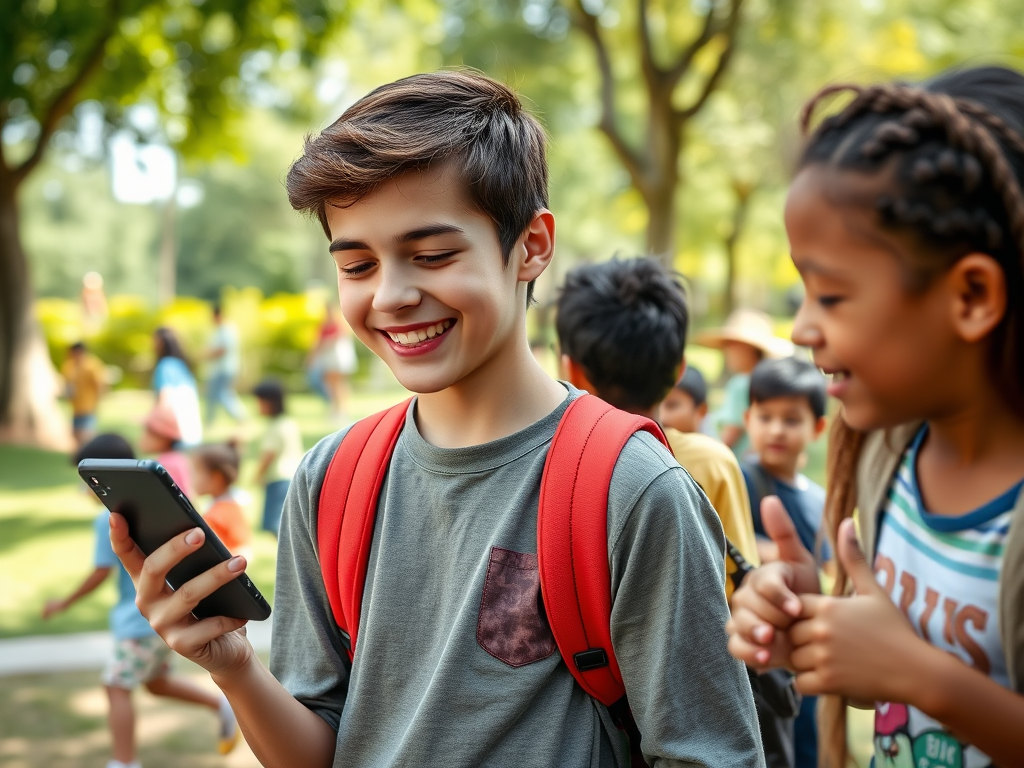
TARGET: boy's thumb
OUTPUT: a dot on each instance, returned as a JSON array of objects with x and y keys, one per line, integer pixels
[
  {"x": 780, "y": 529},
  {"x": 852, "y": 558}
]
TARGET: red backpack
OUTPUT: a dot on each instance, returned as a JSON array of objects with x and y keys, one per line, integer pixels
[{"x": 572, "y": 535}]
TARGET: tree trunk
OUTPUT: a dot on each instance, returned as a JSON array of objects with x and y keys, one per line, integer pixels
[
  {"x": 661, "y": 226},
  {"x": 28, "y": 384},
  {"x": 168, "y": 260},
  {"x": 739, "y": 217}
]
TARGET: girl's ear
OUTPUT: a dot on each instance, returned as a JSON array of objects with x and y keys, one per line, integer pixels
[
  {"x": 575, "y": 374},
  {"x": 978, "y": 287},
  {"x": 536, "y": 247}
]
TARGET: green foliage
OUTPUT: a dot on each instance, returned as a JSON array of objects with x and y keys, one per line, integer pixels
[{"x": 276, "y": 333}]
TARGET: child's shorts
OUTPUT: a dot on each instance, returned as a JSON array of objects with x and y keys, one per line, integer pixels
[{"x": 136, "y": 661}]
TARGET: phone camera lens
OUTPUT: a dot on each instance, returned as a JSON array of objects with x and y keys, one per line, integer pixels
[{"x": 94, "y": 481}]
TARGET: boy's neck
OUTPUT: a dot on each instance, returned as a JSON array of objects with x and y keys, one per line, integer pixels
[
  {"x": 787, "y": 472},
  {"x": 504, "y": 395}
]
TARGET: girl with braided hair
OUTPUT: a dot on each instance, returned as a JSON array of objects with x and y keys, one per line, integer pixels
[{"x": 906, "y": 222}]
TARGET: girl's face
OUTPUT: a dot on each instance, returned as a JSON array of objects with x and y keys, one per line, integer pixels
[
  {"x": 207, "y": 482},
  {"x": 892, "y": 354}
]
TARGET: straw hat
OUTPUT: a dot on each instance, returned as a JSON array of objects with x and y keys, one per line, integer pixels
[
  {"x": 748, "y": 326},
  {"x": 162, "y": 421}
]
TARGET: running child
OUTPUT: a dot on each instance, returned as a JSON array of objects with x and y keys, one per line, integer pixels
[
  {"x": 140, "y": 657},
  {"x": 214, "y": 471},
  {"x": 433, "y": 193},
  {"x": 906, "y": 222}
]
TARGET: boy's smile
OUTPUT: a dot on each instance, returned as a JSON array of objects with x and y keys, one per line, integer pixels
[{"x": 423, "y": 283}]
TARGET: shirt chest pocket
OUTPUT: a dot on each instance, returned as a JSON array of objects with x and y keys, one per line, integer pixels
[{"x": 512, "y": 625}]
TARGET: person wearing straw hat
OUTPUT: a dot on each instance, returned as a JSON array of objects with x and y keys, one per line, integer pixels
[{"x": 746, "y": 338}]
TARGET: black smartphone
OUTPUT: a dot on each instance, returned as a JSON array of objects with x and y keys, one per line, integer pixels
[{"x": 157, "y": 511}]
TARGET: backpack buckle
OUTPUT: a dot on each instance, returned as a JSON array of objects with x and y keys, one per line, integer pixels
[{"x": 592, "y": 658}]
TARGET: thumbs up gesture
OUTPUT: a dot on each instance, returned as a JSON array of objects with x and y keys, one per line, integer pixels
[
  {"x": 860, "y": 646},
  {"x": 771, "y": 598}
]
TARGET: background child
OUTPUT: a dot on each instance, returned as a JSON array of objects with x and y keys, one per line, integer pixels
[
  {"x": 622, "y": 330},
  {"x": 280, "y": 452},
  {"x": 745, "y": 339},
  {"x": 786, "y": 414},
  {"x": 686, "y": 404},
  {"x": 140, "y": 656},
  {"x": 215, "y": 469},
  {"x": 906, "y": 222},
  {"x": 161, "y": 435},
  {"x": 85, "y": 379}
]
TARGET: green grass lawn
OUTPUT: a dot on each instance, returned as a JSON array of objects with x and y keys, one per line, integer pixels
[
  {"x": 60, "y": 721},
  {"x": 46, "y": 513}
]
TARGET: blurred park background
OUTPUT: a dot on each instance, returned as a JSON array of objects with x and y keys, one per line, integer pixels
[{"x": 148, "y": 141}]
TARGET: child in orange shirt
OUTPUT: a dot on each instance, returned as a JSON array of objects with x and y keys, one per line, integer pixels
[{"x": 215, "y": 469}]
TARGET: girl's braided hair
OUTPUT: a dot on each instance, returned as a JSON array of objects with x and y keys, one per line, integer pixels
[{"x": 950, "y": 155}]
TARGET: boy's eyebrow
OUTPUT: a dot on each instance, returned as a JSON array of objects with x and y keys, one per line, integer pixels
[
  {"x": 422, "y": 233},
  {"x": 805, "y": 264},
  {"x": 347, "y": 245},
  {"x": 430, "y": 231}
]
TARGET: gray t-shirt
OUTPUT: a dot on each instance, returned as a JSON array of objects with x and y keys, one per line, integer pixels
[{"x": 455, "y": 664}]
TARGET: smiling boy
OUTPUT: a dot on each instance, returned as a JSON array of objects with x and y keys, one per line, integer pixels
[{"x": 433, "y": 194}]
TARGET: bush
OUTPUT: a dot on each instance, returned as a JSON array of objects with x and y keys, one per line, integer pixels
[{"x": 276, "y": 333}]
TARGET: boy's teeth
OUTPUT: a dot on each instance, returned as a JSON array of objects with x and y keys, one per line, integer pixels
[{"x": 420, "y": 334}]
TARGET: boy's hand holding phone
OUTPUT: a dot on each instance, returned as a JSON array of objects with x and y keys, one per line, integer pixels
[
  {"x": 768, "y": 602},
  {"x": 218, "y": 644}
]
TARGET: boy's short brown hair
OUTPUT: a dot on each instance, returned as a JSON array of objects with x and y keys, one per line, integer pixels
[{"x": 463, "y": 118}]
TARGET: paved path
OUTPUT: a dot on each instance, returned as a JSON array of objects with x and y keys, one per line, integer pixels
[{"x": 84, "y": 650}]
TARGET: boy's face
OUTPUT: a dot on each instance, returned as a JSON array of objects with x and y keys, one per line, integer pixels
[
  {"x": 780, "y": 429},
  {"x": 741, "y": 357},
  {"x": 422, "y": 281},
  {"x": 679, "y": 412}
]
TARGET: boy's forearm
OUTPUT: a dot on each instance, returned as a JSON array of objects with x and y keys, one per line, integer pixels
[{"x": 281, "y": 731}]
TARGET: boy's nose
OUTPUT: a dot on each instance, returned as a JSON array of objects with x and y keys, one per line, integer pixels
[{"x": 394, "y": 291}]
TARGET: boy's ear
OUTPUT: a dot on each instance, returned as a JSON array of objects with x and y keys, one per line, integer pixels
[
  {"x": 746, "y": 418},
  {"x": 536, "y": 247},
  {"x": 978, "y": 287},
  {"x": 819, "y": 426},
  {"x": 574, "y": 374},
  {"x": 702, "y": 410}
]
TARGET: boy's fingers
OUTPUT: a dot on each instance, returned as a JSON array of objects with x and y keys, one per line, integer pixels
[
  {"x": 189, "y": 594},
  {"x": 152, "y": 580},
  {"x": 758, "y": 657},
  {"x": 127, "y": 551},
  {"x": 202, "y": 633}
]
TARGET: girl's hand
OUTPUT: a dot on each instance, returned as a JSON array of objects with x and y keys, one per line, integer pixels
[
  {"x": 769, "y": 600},
  {"x": 861, "y": 647},
  {"x": 217, "y": 644}
]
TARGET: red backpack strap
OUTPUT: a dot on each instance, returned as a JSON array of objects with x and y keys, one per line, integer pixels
[
  {"x": 348, "y": 508},
  {"x": 572, "y": 538}
]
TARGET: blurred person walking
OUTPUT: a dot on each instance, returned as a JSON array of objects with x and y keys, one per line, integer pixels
[
  {"x": 140, "y": 657},
  {"x": 332, "y": 361},
  {"x": 85, "y": 380},
  {"x": 280, "y": 453},
  {"x": 224, "y": 357},
  {"x": 175, "y": 386}
]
